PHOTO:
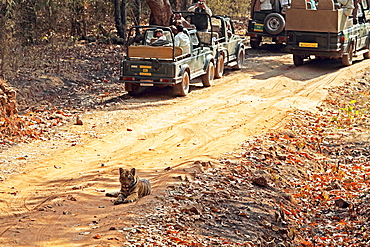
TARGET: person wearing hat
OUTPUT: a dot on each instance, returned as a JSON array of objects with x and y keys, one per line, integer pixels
[
  {"x": 160, "y": 38},
  {"x": 182, "y": 39}
]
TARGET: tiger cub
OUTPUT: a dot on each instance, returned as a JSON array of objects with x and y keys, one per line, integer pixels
[{"x": 132, "y": 187}]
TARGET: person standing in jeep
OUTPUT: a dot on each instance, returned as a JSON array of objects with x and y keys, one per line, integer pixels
[{"x": 200, "y": 20}]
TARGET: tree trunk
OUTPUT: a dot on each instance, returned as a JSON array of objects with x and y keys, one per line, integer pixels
[
  {"x": 124, "y": 18},
  {"x": 180, "y": 5},
  {"x": 117, "y": 16},
  {"x": 28, "y": 17},
  {"x": 137, "y": 12},
  {"x": 7, "y": 40},
  {"x": 120, "y": 17},
  {"x": 160, "y": 12},
  {"x": 77, "y": 19}
]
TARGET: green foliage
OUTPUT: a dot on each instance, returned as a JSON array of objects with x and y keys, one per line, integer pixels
[
  {"x": 350, "y": 110},
  {"x": 353, "y": 113}
]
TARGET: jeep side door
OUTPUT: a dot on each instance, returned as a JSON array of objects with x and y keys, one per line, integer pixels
[{"x": 197, "y": 56}]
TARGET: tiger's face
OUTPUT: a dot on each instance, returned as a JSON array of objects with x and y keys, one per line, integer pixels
[{"x": 127, "y": 178}]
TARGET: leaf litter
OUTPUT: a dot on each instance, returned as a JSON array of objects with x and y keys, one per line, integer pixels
[
  {"x": 306, "y": 184},
  {"x": 51, "y": 94}
]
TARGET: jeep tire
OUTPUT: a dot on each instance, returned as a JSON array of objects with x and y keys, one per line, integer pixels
[
  {"x": 219, "y": 72},
  {"x": 297, "y": 60},
  {"x": 207, "y": 78},
  {"x": 182, "y": 88},
  {"x": 274, "y": 23}
]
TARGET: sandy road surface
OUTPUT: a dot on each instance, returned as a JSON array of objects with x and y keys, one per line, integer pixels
[{"x": 57, "y": 199}]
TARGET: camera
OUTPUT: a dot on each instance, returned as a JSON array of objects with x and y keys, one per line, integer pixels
[{"x": 201, "y": 3}]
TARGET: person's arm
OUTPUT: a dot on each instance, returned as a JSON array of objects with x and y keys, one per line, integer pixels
[
  {"x": 208, "y": 10},
  {"x": 192, "y": 7}
]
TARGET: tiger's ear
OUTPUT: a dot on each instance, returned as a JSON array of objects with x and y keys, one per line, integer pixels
[
  {"x": 120, "y": 170},
  {"x": 133, "y": 170}
]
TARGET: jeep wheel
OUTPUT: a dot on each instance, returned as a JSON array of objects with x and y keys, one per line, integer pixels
[
  {"x": 135, "y": 89},
  {"x": 182, "y": 88},
  {"x": 207, "y": 78},
  {"x": 219, "y": 72},
  {"x": 274, "y": 23},
  {"x": 297, "y": 60},
  {"x": 347, "y": 58},
  {"x": 255, "y": 43},
  {"x": 240, "y": 58},
  {"x": 367, "y": 55}
]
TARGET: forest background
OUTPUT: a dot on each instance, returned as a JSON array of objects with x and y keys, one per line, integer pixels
[{"x": 28, "y": 25}]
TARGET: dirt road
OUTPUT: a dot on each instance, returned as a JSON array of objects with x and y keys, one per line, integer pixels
[{"x": 57, "y": 198}]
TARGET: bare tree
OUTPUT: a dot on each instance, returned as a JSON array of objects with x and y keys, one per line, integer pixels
[
  {"x": 77, "y": 18},
  {"x": 137, "y": 12},
  {"x": 120, "y": 15},
  {"x": 27, "y": 21},
  {"x": 7, "y": 39}
]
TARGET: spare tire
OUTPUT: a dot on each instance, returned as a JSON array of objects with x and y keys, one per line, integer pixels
[{"x": 274, "y": 23}]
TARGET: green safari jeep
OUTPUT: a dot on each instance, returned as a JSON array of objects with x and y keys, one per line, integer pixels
[
  {"x": 227, "y": 46},
  {"x": 331, "y": 31},
  {"x": 146, "y": 65}
]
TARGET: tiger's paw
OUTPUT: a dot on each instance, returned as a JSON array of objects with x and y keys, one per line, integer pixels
[
  {"x": 116, "y": 202},
  {"x": 128, "y": 200},
  {"x": 112, "y": 194}
]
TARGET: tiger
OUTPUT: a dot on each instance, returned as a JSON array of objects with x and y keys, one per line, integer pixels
[{"x": 132, "y": 187}]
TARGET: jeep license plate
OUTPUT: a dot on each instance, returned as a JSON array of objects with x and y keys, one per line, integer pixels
[
  {"x": 257, "y": 27},
  {"x": 146, "y": 83},
  {"x": 311, "y": 45}
]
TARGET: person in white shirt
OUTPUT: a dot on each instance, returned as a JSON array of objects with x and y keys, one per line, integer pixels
[
  {"x": 182, "y": 40},
  {"x": 266, "y": 5}
]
